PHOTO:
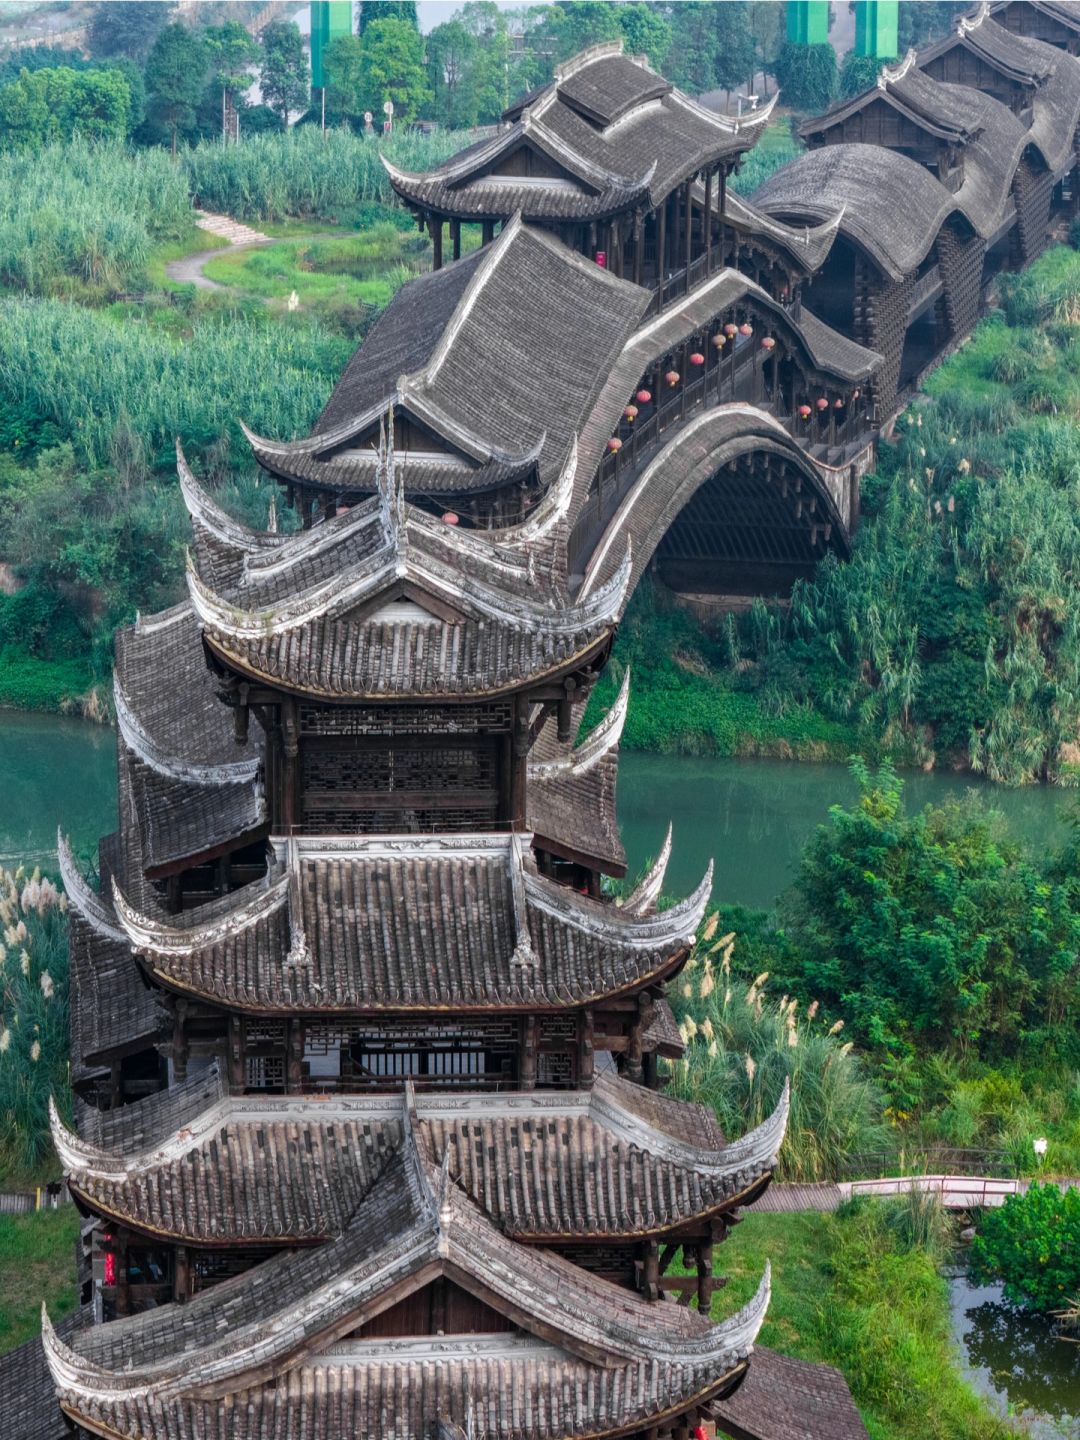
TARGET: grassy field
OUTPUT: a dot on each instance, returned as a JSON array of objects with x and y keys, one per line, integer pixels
[
  {"x": 847, "y": 1291},
  {"x": 37, "y": 1262}
]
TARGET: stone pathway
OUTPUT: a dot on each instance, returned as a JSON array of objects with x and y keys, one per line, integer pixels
[{"x": 189, "y": 269}]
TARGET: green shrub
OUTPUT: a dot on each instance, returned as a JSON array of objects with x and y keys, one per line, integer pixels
[{"x": 1032, "y": 1243}]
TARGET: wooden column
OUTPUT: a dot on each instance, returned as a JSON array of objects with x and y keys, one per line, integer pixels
[
  {"x": 650, "y": 1271},
  {"x": 528, "y": 1052},
  {"x": 237, "y": 1077},
  {"x": 708, "y": 221},
  {"x": 586, "y": 1051},
  {"x": 520, "y": 760},
  {"x": 294, "y": 1074},
  {"x": 179, "y": 1041},
  {"x": 182, "y": 1274},
  {"x": 639, "y": 246},
  {"x": 705, "y": 1280},
  {"x": 291, "y": 738},
  {"x": 487, "y": 231},
  {"x": 661, "y": 241},
  {"x": 455, "y": 237},
  {"x": 688, "y": 223},
  {"x": 436, "y": 227}
]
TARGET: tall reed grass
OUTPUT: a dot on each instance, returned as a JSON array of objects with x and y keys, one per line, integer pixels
[
  {"x": 741, "y": 1047},
  {"x": 88, "y": 213},
  {"x": 34, "y": 1041},
  {"x": 270, "y": 177},
  {"x": 96, "y": 380}
]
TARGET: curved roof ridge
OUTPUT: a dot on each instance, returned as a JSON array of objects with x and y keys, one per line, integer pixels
[
  {"x": 642, "y": 899},
  {"x": 208, "y": 513},
  {"x": 150, "y": 935},
  {"x": 677, "y": 924},
  {"x": 94, "y": 910},
  {"x": 236, "y": 772},
  {"x": 600, "y": 741},
  {"x": 791, "y": 234},
  {"x": 496, "y": 250},
  {"x": 589, "y": 56},
  {"x": 758, "y": 1148},
  {"x": 728, "y": 124},
  {"x": 549, "y": 513},
  {"x": 890, "y": 74}
]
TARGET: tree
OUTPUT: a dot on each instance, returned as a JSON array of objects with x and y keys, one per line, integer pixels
[
  {"x": 858, "y": 73},
  {"x": 175, "y": 76},
  {"x": 57, "y": 104},
  {"x": 284, "y": 74},
  {"x": 693, "y": 56},
  {"x": 645, "y": 31},
  {"x": 343, "y": 68},
  {"x": 450, "y": 53},
  {"x": 767, "y": 29},
  {"x": 486, "y": 77},
  {"x": 1032, "y": 1243},
  {"x": 572, "y": 27},
  {"x": 931, "y": 930},
  {"x": 392, "y": 68},
  {"x": 126, "y": 27},
  {"x": 806, "y": 74},
  {"x": 373, "y": 11},
  {"x": 736, "y": 54},
  {"x": 231, "y": 52}
]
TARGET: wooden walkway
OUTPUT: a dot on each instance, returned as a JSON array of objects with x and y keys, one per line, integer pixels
[{"x": 957, "y": 1192}]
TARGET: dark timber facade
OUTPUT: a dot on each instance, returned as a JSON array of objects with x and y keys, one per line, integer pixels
[{"x": 371, "y": 1137}]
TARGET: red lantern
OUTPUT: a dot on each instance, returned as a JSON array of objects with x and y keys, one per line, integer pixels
[
  {"x": 804, "y": 411},
  {"x": 697, "y": 358},
  {"x": 768, "y": 343},
  {"x": 719, "y": 341},
  {"x": 746, "y": 328},
  {"x": 110, "y": 1267},
  {"x": 855, "y": 394},
  {"x": 614, "y": 445},
  {"x": 643, "y": 397},
  {"x": 822, "y": 403},
  {"x": 838, "y": 403},
  {"x": 630, "y": 414},
  {"x": 449, "y": 518},
  {"x": 672, "y": 378},
  {"x": 730, "y": 329}
]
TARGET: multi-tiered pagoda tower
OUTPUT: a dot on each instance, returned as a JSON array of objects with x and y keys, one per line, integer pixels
[{"x": 371, "y": 1138}]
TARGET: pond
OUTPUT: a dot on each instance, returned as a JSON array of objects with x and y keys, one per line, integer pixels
[
  {"x": 752, "y": 816},
  {"x": 1015, "y": 1360}
]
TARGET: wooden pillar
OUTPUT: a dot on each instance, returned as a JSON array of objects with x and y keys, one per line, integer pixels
[
  {"x": 520, "y": 761},
  {"x": 294, "y": 1074},
  {"x": 179, "y": 1041},
  {"x": 237, "y": 1069},
  {"x": 705, "y": 1280},
  {"x": 708, "y": 221},
  {"x": 661, "y": 241},
  {"x": 455, "y": 237},
  {"x": 182, "y": 1274},
  {"x": 528, "y": 1052},
  {"x": 639, "y": 246},
  {"x": 487, "y": 231},
  {"x": 291, "y": 737},
  {"x": 435, "y": 226},
  {"x": 586, "y": 1050},
  {"x": 650, "y": 1270},
  {"x": 688, "y": 222}
]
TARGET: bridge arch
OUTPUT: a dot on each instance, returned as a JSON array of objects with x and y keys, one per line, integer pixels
[{"x": 731, "y": 504}]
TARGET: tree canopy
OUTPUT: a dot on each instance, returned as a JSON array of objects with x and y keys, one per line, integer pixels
[
  {"x": 57, "y": 104},
  {"x": 126, "y": 27},
  {"x": 176, "y": 71},
  {"x": 392, "y": 68},
  {"x": 284, "y": 74},
  {"x": 806, "y": 74},
  {"x": 372, "y": 11}
]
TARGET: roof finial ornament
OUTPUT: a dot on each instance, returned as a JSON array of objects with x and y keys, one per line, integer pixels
[
  {"x": 967, "y": 23},
  {"x": 391, "y": 490},
  {"x": 890, "y": 74}
]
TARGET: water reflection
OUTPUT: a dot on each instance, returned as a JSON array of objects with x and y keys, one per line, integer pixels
[
  {"x": 754, "y": 816},
  {"x": 1015, "y": 1360}
]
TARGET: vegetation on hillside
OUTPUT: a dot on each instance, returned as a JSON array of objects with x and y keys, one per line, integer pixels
[{"x": 37, "y": 1262}]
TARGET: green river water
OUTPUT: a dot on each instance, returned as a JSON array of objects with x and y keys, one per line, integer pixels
[{"x": 751, "y": 816}]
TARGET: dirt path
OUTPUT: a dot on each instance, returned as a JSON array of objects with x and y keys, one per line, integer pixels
[{"x": 189, "y": 269}]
